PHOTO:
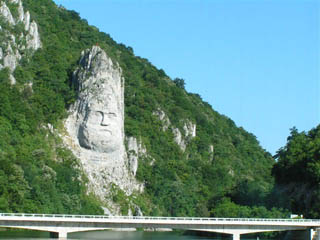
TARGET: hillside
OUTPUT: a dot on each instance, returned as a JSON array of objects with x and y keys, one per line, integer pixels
[
  {"x": 189, "y": 159},
  {"x": 297, "y": 173}
]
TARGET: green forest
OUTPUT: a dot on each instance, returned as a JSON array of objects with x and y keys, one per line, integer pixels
[
  {"x": 297, "y": 173},
  {"x": 236, "y": 179}
]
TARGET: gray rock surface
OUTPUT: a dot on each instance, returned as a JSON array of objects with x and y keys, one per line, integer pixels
[
  {"x": 135, "y": 151},
  {"x": 11, "y": 59},
  {"x": 189, "y": 129},
  {"x": 95, "y": 126},
  {"x": 163, "y": 118},
  {"x": 179, "y": 139},
  {"x": 100, "y": 104},
  {"x": 33, "y": 37},
  {"x": 26, "y": 21},
  {"x": 5, "y": 12},
  {"x": 32, "y": 41},
  {"x": 20, "y": 11},
  {"x": 211, "y": 149},
  {"x": 189, "y": 132}
]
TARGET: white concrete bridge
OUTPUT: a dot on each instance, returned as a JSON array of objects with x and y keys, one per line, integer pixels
[{"x": 61, "y": 225}]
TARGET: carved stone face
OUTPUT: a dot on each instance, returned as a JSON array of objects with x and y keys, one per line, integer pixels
[
  {"x": 101, "y": 126},
  {"x": 99, "y": 107}
]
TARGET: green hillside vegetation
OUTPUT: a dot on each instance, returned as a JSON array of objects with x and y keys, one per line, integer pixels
[
  {"x": 297, "y": 173},
  {"x": 38, "y": 174}
]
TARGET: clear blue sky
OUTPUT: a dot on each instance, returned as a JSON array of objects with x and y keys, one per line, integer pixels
[{"x": 256, "y": 62}]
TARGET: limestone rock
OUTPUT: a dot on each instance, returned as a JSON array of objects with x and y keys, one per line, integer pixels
[
  {"x": 101, "y": 101},
  {"x": 163, "y": 118},
  {"x": 20, "y": 11},
  {"x": 31, "y": 41},
  {"x": 12, "y": 79},
  {"x": 211, "y": 149},
  {"x": 95, "y": 126},
  {"x": 26, "y": 21},
  {"x": 33, "y": 37},
  {"x": 5, "y": 12},
  {"x": 190, "y": 129},
  {"x": 178, "y": 139},
  {"x": 189, "y": 132},
  {"x": 135, "y": 151},
  {"x": 10, "y": 60}
]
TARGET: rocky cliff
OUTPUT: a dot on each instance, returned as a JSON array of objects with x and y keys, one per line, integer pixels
[
  {"x": 95, "y": 126},
  {"x": 19, "y": 35},
  {"x": 188, "y": 130}
]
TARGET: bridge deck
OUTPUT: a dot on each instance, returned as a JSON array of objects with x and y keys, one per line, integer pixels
[
  {"x": 72, "y": 223},
  {"x": 146, "y": 219}
]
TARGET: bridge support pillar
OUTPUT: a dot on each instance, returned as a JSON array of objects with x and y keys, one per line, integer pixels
[
  {"x": 236, "y": 236},
  {"x": 315, "y": 234},
  {"x": 63, "y": 235},
  {"x": 59, "y": 235}
]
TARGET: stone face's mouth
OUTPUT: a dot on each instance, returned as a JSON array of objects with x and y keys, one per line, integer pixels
[
  {"x": 105, "y": 142},
  {"x": 107, "y": 131}
]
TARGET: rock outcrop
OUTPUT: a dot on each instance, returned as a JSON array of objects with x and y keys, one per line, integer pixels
[
  {"x": 13, "y": 48},
  {"x": 190, "y": 129},
  {"x": 135, "y": 151},
  {"x": 181, "y": 139},
  {"x": 163, "y": 118},
  {"x": 95, "y": 126},
  {"x": 6, "y": 14}
]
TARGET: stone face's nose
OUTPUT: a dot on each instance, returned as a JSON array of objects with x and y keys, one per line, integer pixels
[
  {"x": 108, "y": 118},
  {"x": 104, "y": 120}
]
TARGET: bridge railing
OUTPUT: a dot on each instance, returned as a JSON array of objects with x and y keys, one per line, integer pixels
[{"x": 156, "y": 218}]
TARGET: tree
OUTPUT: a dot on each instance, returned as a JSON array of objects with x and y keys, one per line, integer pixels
[
  {"x": 179, "y": 82},
  {"x": 297, "y": 172}
]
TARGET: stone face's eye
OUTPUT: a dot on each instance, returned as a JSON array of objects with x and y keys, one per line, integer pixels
[
  {"x": 95, "y": 117},
  {"x": 98, "y": 114}
]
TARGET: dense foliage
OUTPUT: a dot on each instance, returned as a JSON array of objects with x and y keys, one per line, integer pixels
[
  {"x": 297, "y": 173},
  {"x": 222, "y": 166},
  {"x": 36, "y": 173}
]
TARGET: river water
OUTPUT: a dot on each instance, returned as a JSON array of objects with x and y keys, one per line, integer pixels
[{"x": 110, "y": 235}]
